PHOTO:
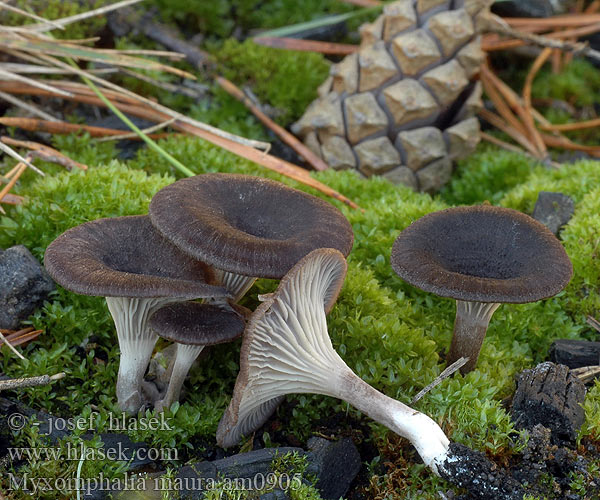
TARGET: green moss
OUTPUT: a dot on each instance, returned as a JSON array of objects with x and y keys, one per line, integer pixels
[
  {"x": 582, "y": 242},
  {"x": 488, "y": 174},
  {"x": 578, "y": 84},
  {"x": 573, "y": 180},
  {"x": 392, "y": 334},
  {"x": 221, "y": 18},
  {"x": 285, "y": 79}
]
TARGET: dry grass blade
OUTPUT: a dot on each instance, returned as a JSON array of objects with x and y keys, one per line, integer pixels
[
  {"x": 11, "y": 152},
  {"x": 46, "y": 26},
  {"x": 316, "y": 162},
  {"x": 115, "y": 58},
  {"x": 134, "y": 98},
  {"x": 44, "y": 152},
  {"x": 14, "y": 76},
  {"x": 34, "y": 125},
  {"x": 10, "y": 346},
  {"x": 37, "y": 69},
  {"x": 528, "y": 118},
  {"x": 133, "y": 135},
  {"x": 593, "y": 322},
  {"x": 306, "y": 45},
  {"x": 15, "y": 101},
  {"x": 22, "y": 12},
  {"x": 440, "y": 378},
  {"x": 133, "y": 108}
]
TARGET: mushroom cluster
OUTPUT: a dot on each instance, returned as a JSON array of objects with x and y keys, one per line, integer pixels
[{"x": 206, "y": 237}]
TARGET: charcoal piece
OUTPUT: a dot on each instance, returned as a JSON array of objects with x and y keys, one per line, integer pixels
[{"x": 550, "y": 395}]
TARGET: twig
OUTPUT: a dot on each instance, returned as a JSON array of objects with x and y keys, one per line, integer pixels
[
  {"x": 6, "y": 342},
  {"x": 549, "y": 41},
  {"x": 44, "y": 152},
  {"x": 554, "y": 21},
  {"x": 593, "y": 322},
  {"x": 133, "y": 135},
  {"x": 27, "y": 107},
  {"x": 20, "y": 383},
  {"x": 311, "y": 158},
  {"x": 567, "y": 127},
  {"x": 440, "y": 378}
]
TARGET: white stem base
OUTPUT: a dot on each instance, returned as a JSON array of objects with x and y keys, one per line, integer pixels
[
  {"x": 184, "y": 359},
  {"x": 136, "y": 342}
]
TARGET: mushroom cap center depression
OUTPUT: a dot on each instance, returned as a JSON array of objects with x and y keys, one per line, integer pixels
[
  {"x": 247, "y": 225},
  {"x": 482, "y": 253}
]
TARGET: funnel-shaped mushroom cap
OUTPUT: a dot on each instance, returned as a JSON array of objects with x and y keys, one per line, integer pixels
[
  {"x": 126, "y": 257},
  {"x": 193, "y": 323},
  {"x": 247, "y": 225},
  {"x": 286, "y": 347},
  {"x": 482, "y": 253}
]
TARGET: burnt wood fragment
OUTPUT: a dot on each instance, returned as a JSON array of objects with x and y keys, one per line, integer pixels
[
  {"x": 575, "y": 353},
  {"x": 550, "y": 395}
]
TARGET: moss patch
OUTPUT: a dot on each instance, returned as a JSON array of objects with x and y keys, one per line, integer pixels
[{"x": 392, "y": 334}]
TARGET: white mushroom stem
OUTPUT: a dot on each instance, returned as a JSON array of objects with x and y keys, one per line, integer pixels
[
  {"x": 136, "y": 342},
  {"x": 287, "y": 350},
  {"x": 470, "y": 326},
  {"x": 184, "y": 359}
]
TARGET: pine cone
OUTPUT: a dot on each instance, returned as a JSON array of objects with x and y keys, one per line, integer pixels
[{"x": 404, "y": 105}]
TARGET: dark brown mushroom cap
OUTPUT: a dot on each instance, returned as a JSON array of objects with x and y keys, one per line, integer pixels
[
  {"x": 247, "y": 225},
  {"x": 193, "y": 323},
  {"x": 482, "y": 253},
  {"x": 126, "y": 257}
]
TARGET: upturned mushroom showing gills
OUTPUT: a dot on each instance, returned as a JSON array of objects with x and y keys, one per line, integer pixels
[
  {"x": 246, "y": 226},
  {"x": 481, "y": 256},
  {"x": 193, "y": 326},
  {"x": 138, "y": 271},
  {"x": 286, "y": 349}
]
